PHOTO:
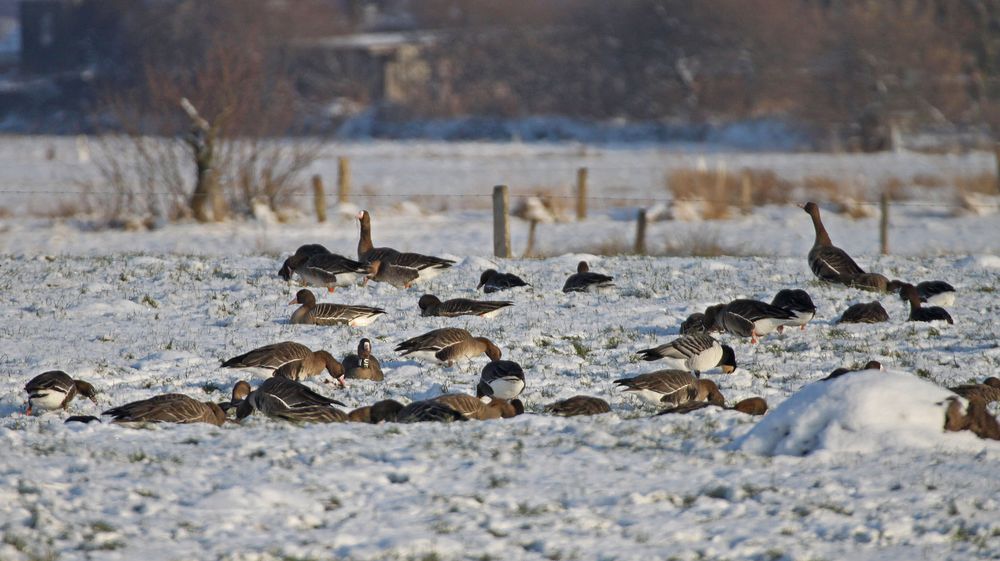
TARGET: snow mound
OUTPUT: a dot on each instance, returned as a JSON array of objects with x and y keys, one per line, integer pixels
[{"x": 864, "y": 411}]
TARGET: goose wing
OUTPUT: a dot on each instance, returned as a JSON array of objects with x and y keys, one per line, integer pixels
[
  {"x": 434, "y": 340},
  {"x": 270, "y": 356},
  {"x": 681, "y": 348}
]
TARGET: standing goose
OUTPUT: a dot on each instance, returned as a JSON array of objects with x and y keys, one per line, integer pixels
[
  {"x": 301, "y": 255},
  {"x": 389, "y": 273},
  {"x": 362, "y": 365},
  {"x": 300, "y": 361},
  {"x": 578, "y": 405},
  {"x": 55, "y": 390},
  {"x": 988, "y": 391},
  {"x": 798, "y": 302},
  {"x": 286, "y": 399},
  {"x": 695, "y": 353},
  {"x": 583, "y": 280},
  {"x": 672, "y": 387},
  {"x": 828, "y": 262},
  {"x": 871, "y": 312},
  {"x": 168, "y": 408},
  {"x": 748, "y": 318},
  {"x": 331, "y": 314},
  {"x": 501, "y": 378},
  {"x": 448, "y": 345},
  {"x": 427, "y": 266},
  {"x": 935, "y": 293},
  {"x": 920, "y": 313},
  {"x": 494, "y": 281},
  {"x": 328, "y": 269},
  {"x": 475, "y": 408},
  {"x": 431, "y": 305}
]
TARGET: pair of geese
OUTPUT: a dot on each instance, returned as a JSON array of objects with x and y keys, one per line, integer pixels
[{"x": 832, "y": 264}]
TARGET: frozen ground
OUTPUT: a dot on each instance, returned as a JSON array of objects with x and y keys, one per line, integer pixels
[{"x": 138, "y": 314}]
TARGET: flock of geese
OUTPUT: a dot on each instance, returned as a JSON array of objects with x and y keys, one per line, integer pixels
[{"x": 677, "y": 389}]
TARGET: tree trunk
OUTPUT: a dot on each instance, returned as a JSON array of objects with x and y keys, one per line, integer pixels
[{"x": 207, "y": 202}]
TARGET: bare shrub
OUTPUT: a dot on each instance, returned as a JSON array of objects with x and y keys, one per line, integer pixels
[
  {"x": 984, "y": 183},
  {"x": 927, "y": 180},
  {"x": 719, "y": 191}
]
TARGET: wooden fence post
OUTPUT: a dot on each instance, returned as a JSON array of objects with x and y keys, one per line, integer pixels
[
  {"x": 640, "y": 233},
  {"x": 581, "y": 194},
  {"x": 996, "y": 155},
  {"x": 343, "y": 179},
  {"x": 501, "y": 226},
  {"x": 319, "y": 199},
  {"x": 532, "y": 228},
  {"x": 746, "y": 194},
  {"x": 884, "y": 224}
]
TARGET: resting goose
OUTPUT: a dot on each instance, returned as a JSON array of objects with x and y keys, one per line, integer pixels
[
  {"x": 583, "y": 280},
  {"x": 837, "y": 373},
  {"x": 293, "y": 360},
  {"x": 448, "y": 345},
  {"x": 799, "y": 303},
  {"x": 428, "y": 410},
  {"x": 871, "y": 312},
  {"x": 751, "y": 406},
  {"x": 475, "y": 408},
  {"x": 920, "y": 313},
  {"x": 389, "y": 273},
  {"x": 695, "y": 353},
  {"x": 672, "y": 387},
  {"x": 748, "y": 318},
  {"x": 362, "y": 365},
  {"x": 301, "y": 255},
  {"x": 935, "y": 293},
  {"x": 494, "y": 281},
  {"x": 578, "y": 405},
  {"x": 431, "y": 305},
  {"x": 828, "y": 262},
  {"x": 426, "y": 266},
  {"x": 331, "y": 314},
  {"x": 501, "y": 378},
  {"x": 168, "y": 408},
  {"x": 378, "y": 412},
  {"x": 988, "y": 391},
  {"x": 55, "y": 390},
  {"x": 873, "y": 282},
  {"x": 286, "y": 399}
]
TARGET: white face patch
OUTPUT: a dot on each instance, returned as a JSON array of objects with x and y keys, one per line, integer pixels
[{"x": 507, "y": 388}]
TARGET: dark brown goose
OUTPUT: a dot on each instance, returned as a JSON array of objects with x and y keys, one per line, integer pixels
[
  {"x": 168, "y": 408},
  {"x": 695, "y": 323},
  {"x": 871, "y": 312},
  {"x": 988, "y": 391},
  {"x": 918, "y": 312},
  {"x": 494, "y": 281},
  {"x": 748, "y": 318},
  {"x": 389, "y": 273},
  {"x": 828, "y": 262},
  {"x": 799, "y": 303},
  {"x": 475, "y": 408},
  {"x": 309, "y": 312},
  {"x": 578, "y": 405},
  {"x": 583, "y": 280},
  {"x": 501, "y": 378},
  {"x": 294, "y": 360},
  {"x": 55, "y": 390},
  {"x": 871, "y": 365},
  {"x": 751, "y": 406},
  {"x": 873, "y": 282},
  {"x": 431, "y": 305},
  {"x": 363, "y": 365},
  {"x": 426, "y": 266},
  {"x": 428, "y": 411},
  {"x": 695, "y": 353},
  {"x": 378, "y": 412},
  {"x": 672, "y": 387},
  {"x": 286, "y": 399},
  {"x": 448, "y": 345},
  {"x": 301, "y": 255}
]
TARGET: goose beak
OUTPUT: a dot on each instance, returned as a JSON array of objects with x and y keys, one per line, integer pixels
[
  {"x": 360, "y": 215},
  {"x": 728, "y": 369},
  {"x": 801, "y": 205},
  {"x": 294, "y": 301}
]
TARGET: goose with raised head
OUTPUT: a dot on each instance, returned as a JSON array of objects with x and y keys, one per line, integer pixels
[
  {"x": 920, "y": 313},
  {"x": 363, "y": 365},
  {"x": 935, "y": 293},
  {"x": 431, "y": 305},
  {"x": 309, "y": 312},
  {"x": 585, "y": 280},
  {"x": 55, "y": 389},
  {"x": 828, "y": 262},
  {"x": 494, "y": 281},
  {"x": 426, "y": 266}
]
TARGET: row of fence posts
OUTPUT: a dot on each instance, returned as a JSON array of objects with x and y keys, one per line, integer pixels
[{"x": 501, "y": 209}]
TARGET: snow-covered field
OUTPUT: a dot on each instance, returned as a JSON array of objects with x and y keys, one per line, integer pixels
[{"x": 143, "y": 313}]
